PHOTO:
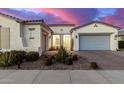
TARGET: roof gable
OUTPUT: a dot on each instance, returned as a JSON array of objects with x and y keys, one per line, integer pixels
[
  {"x": 94, "y": 23},
  {"x": 12, "y": 17}
]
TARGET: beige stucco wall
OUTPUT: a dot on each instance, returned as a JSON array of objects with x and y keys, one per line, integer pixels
[
  {"x": 31, "y": 44},
  {"x": 35, "y": 33},
  {"x": 90, "y": 29},
  {"x": 36, "y": 43},
  {"x": 15, "y": 39}
]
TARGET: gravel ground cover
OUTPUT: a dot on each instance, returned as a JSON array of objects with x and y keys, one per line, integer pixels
[{"x": 81, "y": 64}]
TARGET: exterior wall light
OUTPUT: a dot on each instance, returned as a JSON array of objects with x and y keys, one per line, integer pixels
[
  {"x": 116, "y": 36},
  {"x": 31, "y": 33},
  {"x": 76, "y": 36}
]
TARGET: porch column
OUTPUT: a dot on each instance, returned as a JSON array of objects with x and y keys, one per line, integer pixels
[{"x": 61, "y": 40}]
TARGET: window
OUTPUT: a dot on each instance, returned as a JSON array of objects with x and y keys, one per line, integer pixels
[
  {"x": 31, "y": 33},
  {"x": 56, "y": 41}
]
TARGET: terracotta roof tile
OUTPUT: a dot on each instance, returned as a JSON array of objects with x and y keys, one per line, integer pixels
[{"x": 61, "y": 24}]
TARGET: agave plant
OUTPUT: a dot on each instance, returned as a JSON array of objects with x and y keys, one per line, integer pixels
[
  {"x": 12, "y": 58},
  {"x": 61, "y": 55},
  {"x": 7, "y": 58},
  {"x": 4, "y": 59}
]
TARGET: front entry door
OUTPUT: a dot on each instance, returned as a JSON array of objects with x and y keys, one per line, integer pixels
[
  {"x": 62, "y": 40},
  {"x": 67, "y": 41}
]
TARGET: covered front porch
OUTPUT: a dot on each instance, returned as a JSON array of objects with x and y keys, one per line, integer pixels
[{"x": 61, "y": 40}]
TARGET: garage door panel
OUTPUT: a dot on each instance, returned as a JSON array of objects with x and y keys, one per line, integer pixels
[
  {"x": 94, "y": 43},
  {"x": 43, "y": 43}
]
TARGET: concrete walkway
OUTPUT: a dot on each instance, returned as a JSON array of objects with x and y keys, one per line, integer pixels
[{"x": 61, "y": 77}]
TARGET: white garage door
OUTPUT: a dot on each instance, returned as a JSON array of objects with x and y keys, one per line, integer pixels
[{"x": 94, "y": 42}]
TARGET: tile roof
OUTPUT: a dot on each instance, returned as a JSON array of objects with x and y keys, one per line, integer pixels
[
  {"x": 27, "y": 21},
  {"x": 61, "y": 24},
  {"x": 20, "y": 20},
  {"x": 121, "y": 33}
]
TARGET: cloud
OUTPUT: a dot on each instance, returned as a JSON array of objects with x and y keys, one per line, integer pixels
[
  {"x": 117, "y": 18},
  {"x": 59, "y": 13},
  {"x": 106, "y": 11},
  {"x": 76, "y": 16},
  {"x": 82, "y": 15},
  {"x": 29, "y": 14}
]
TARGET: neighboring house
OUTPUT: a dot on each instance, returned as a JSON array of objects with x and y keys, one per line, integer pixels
[
  {"x": 121, "y": 36},
  {"x": 30, "y": 35},
  {"x": 36, "y": 35}
]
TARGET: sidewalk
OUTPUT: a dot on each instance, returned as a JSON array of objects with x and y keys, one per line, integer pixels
[{"x": 61, "y": 76}]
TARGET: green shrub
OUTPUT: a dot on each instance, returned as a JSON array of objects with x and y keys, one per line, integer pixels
[
  {"x": 4, "y": 59},
  {"x": 49, "y": 61},
  {"x": 61, "y": 55},
  {"x": 75, "y": 57},
  {"x": 21, "y": 55},
  {"x": 121, "y": 44},
  {"x": 69, "y": 61},
  {"x": 94, "y": 65},
  {"x": 32, "y": 56},
  {"x": 1, "y": 52},
  {"x": 12, "y": 58}
]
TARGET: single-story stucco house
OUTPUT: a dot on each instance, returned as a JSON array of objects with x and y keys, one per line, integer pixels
[
  {"x": 36, "y": 35},
  {"x": 121, "y": 36}
]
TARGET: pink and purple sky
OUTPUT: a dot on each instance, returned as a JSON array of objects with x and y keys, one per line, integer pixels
[{"x": 76, "y": 16}]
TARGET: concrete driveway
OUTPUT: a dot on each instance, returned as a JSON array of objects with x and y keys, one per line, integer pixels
[{"x": 108, "y": 60}]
